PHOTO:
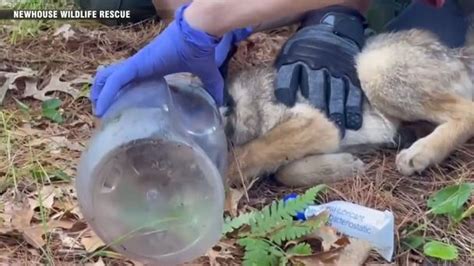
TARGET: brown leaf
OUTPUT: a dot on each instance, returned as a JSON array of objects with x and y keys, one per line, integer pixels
[
  {"x": 91, "y": 241},
  {"x": 342, "y": 242},
  {"x": 321, "y": 258},
  {"x": 26, "y": 130},
  {"x": 232, "y": 199},
  {"x": 69, "y": 242},
  {"x": 56, "y": 142},
  {"x": 46, "y": 197},
  {"x": 356, "y": 253},
  {"x": 11, "y": 79},
  {"x": 34, "y": 235},
  {"x": 327, "y": 235},
  {"x": 222, "y": 250},
  {"x": 329, "y": 238},
  {"x": 56, "y": 84},
  {"x": 21, "y": 214}
]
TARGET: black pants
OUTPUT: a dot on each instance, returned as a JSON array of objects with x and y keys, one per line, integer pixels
[{"x": 448, "y": 23}]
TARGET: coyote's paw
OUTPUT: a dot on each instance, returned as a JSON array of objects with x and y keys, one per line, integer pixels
[{"x": 415, "y": 159}]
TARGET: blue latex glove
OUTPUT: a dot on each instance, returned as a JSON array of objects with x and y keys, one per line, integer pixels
[
  {"x": 179, "y": 48},
  {"x": 228, "y": 40}
]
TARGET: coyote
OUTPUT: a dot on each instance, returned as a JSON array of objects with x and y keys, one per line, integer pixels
[{"x": 407, "y": 76}]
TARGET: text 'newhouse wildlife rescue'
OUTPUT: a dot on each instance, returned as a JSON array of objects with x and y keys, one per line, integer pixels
[{"x": 65, "y": 14}]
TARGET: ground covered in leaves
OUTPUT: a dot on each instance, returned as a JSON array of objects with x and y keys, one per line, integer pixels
[{"x": 45, "y": 123}]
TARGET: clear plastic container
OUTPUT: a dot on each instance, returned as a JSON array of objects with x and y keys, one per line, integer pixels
[{"x": 150, "y": 183}]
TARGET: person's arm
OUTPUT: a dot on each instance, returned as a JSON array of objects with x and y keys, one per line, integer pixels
[{"x": 217, "y": 17}]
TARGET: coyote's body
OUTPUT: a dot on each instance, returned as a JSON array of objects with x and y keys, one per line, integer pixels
[{"x": 407, "y": 76}]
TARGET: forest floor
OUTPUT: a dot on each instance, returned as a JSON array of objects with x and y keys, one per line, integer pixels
[{"x": 46, "y": 122}]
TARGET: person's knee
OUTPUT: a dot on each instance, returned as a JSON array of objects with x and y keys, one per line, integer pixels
[
  {"x": 166, "y": 8},
  {"x": 448, "y": 22}
]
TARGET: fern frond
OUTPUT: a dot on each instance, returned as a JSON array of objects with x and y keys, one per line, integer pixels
[
  {"x": 300, "y": 249},
  {"x": 283, "y": 261},
  {"x": 280, "y": 211},
  {"x": 295, "y": 230},
  {"x": 317, "y": 221},
  {"x": 259, "y": 252},
  {"x": 231, "y": 224},
  {"x": 290, "y": 232}
]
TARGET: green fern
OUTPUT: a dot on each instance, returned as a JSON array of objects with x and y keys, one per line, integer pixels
[
  {"x": 295, "y": 230},
  {"x": 300, "y": 249},
  {"x": 280, "y": 211},
  {"x": 290, "y": 232},
  {"x": 274, "y": 225},
  {"x": 232, "y": 224},
  {"x": 260, "y": 252},
  {"x": 271, "y": 216}
]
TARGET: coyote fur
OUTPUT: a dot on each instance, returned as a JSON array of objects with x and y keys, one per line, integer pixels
[{"x": 407, "y": 76}]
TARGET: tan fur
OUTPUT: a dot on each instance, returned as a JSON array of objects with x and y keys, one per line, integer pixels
[
  {"x": 420, "y": 79},
  {"x": 407, "y": 76}
]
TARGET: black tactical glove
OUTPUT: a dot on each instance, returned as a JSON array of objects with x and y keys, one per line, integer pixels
[{"x": 319, "y": 61}]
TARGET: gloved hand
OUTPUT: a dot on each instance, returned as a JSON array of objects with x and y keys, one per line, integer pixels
[
  {"x": 179, "y": 48},
  {"x": 319, "y": 62}
]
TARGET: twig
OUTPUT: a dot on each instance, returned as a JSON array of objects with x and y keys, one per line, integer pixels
[{"x": 240, "y": 172}]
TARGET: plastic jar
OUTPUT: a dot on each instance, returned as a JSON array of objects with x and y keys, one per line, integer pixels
[{"x": 150, "y": 183}]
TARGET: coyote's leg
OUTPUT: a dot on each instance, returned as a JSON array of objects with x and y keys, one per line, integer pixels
[
  {"x": 411, "y": 76},
  {"x": 456, "y": 127},
  {"x": 318, "y": 169},
  {"x": 307, "y": 132}
]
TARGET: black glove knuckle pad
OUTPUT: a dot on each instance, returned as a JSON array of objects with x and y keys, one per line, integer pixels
[
  {"x": 287, "y": 84},
  {"x": 319, "y": 60}
]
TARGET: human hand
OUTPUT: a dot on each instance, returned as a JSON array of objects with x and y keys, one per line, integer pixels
[
  {"x": 179, "y": 48},
  {"x": 319, "y": 62}
]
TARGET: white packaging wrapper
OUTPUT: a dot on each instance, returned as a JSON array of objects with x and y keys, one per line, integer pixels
[{"x": 360, "y": 222}]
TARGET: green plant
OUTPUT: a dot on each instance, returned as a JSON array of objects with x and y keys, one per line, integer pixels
[
  {"x": 50, "y": 110},
  {"x": 263, "y": 233},
  {"x": 450, "y": 202},
  {"x": 31, "y": 28}
]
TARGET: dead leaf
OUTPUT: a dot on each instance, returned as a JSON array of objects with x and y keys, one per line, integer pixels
[
  {"x": 26, "y": 130},
  {"x": 65, "y": 31},
  {"x": 47, "y": 194},
  {"x": 232, "y": 199},
  {"x": 63, "y": 142},
  {"x": 356, "y": 253},
  {"x": 327, "y": 235},
  {"x": 34, "y": 235},
  {"x": 6, "y": 221},
  {"x": 21, "y": 214},
  {"x": 91, "y": 241},
  {"x": 12, "y": 77},
  {"x": 55, "y": 143},
  {"x": 222, "y": 250},
  {"x": 56, "y": 84},
  {"x": 77, "y": 211},
  {"x": 325, "y": 258},
  {"x": 69, "y": 242}
]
